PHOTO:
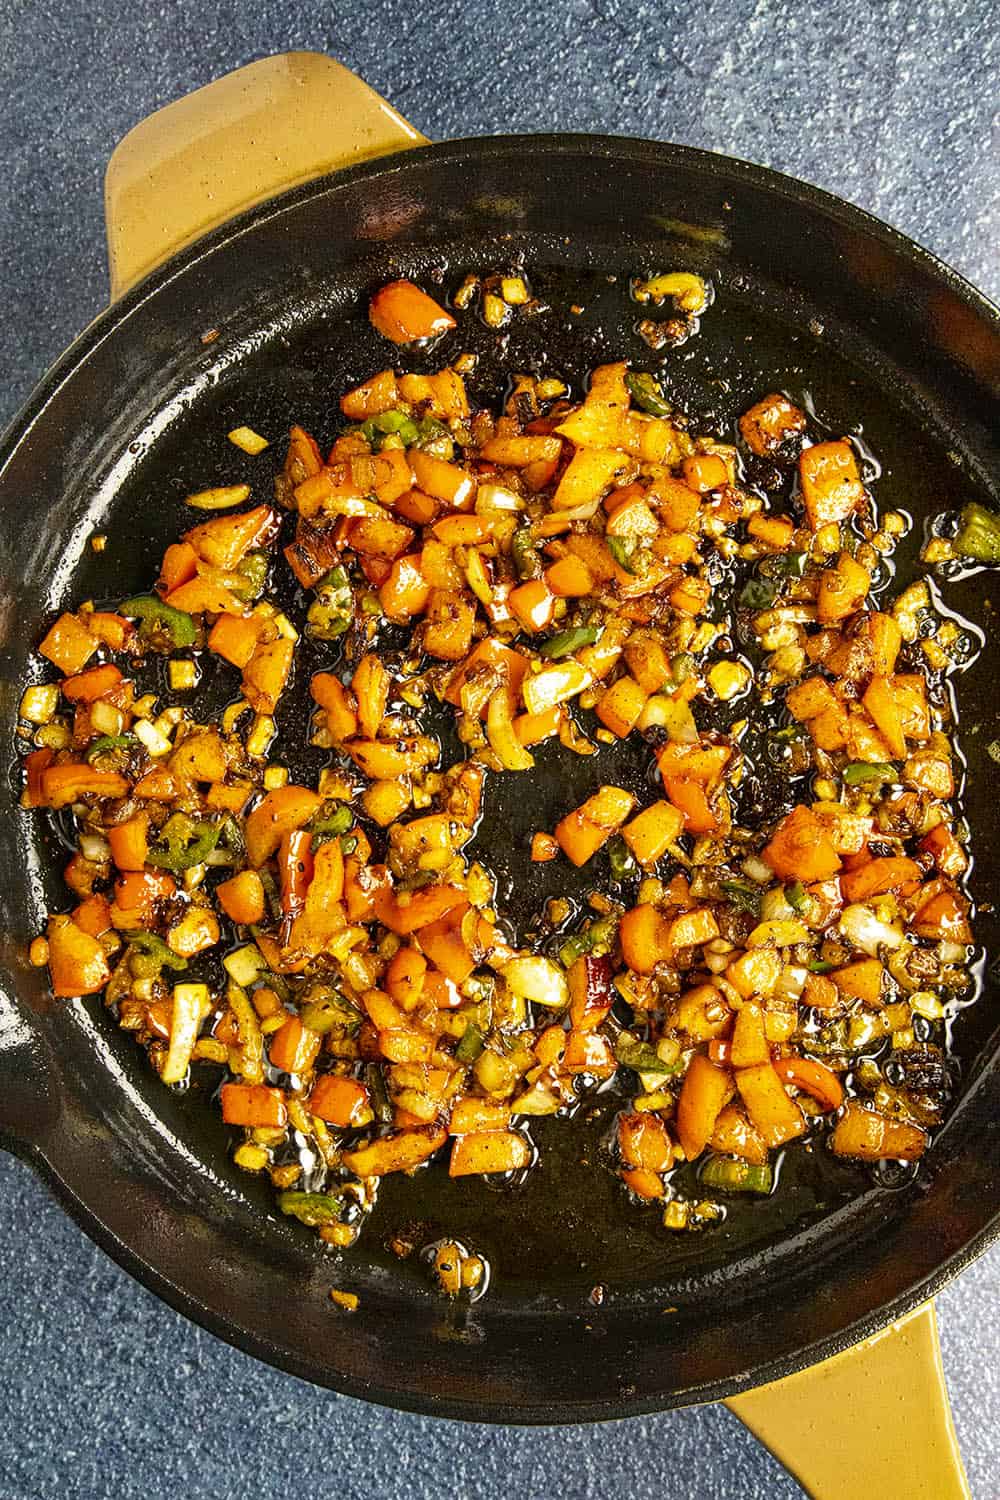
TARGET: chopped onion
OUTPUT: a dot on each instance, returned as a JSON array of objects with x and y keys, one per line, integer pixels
[
  {"x": 500, "y": 731},
  {"x": 952, "y": 953},
  {"x": 791, "y": 981},
  {"x": 866, "y": 931},
  {"x": 774, "y": 907},
  {"x": 493, "y": 497},
  {"x": 94, "y": 848},
  {"x": 538, "y": 980},
  {"x": 582, "y": 512},
  {"x": 756, "y": 870}
]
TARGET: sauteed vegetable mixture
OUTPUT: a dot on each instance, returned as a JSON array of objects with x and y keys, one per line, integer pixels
[{"x": 584, "y": 568}]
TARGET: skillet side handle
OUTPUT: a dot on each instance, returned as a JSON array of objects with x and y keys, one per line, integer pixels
[
  {"x": 240, "y": 140},
  {"x": 873, "y": 1421}
]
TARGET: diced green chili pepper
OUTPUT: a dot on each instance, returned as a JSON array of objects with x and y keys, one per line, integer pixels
[
  {"x": 381, "y": 1103},
  {"x": 786, "y": 735},
  {"x": 568, "y": 641},
  {"x": 642, "y": 1056},
  {"x": 786, "y": 565},
  {"x": 323, "y": 1012},
  {"x": 160, "y": 622},
  {"x": 231, "y": 835},
  {"x": 978, "y": 534},
  {"x": 729, "y": 1176},
  {"x": 348, "y": 843},
  {"x": 820, "y": 966},
  {"x": 253, "y": 570},
  {"x": 861, "y": 772},
  {"x": 621, "y": 859},
  {"x": 155, "y": 948},
  {"x": 525, "y": 555},
  {"x": 332, "y": 825},
  {"x": 332, "y": 610},
  {"x": 743, "y": 895},
  {"x": 398, "y": 425},
  {"x": 682, "y": 666},
  {"x": 109, "y": 742},
  {"x": 600, "y": 934},
  {"x": 371, "y": 604},
  {"x": 758, "y": 593},
  {"x": 434, "y": 437},
  {"x": 647, "y": 394},
  {"x": 186, "y": 842},
  {"x": 622, "y": 551},
  {"x": 310, "y": 1208},
  {"x": 797, "y": 896},
  {"x": 470, "y": 1044}
]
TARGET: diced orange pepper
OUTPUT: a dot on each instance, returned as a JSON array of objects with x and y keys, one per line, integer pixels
[
  {"x": 416, "y": 507},
  {"x": 88, "y": 686},
  {"x": 404, "y": 978},
  {"x": 650, "y": 834},
  {"x": 543, "y": 848},
  {"x": 705, "y": 471},
  {"x": 294, "y": 1048},
  {"x": 569, "y": 577},
  {"x": 180, "y": 564},
  {"x": 644, "y": 937},
  {"x": 749, "y": 1045},
  {"x": 130, "y": 842},
  {"x": 93, "y": 915},
  {"x": 706, "y": 1088},
  {"x": 68, "y": 782},
  {"x": 644, "y": 1184},
  {"x": 445, "y": 947},
  {"x": 371, "y": 398},
  {"x": 110, "y": 629},
  {"x": 532, "y": 604},
  {"x": 843, "y": 589},
  {"x": 692, "y": 928},
  {"x": 800, "y": 848},
  {"x": 204, "y": 596},
  {"x": 254, "y": 1105},
  {"x": 266, "y": 673},
  {"x": 242, "y": 898},
  {"x": 813, "y": 1078},
  {"x": 831, "y": 485},
  {"x": 488, "y": 1151},
  {"x": 224, "y": 541},
  {"x": 590, "y": 992},
  {"x": 531, "y": 729},
  {"x": 68, "y": 645},
  {"x": 343, "y": 1102},
  {"x": 442, "y": 480},
  {"x": 690, "y": 798},
  {"x": 771, "y": 1110},
  {"x": 278, "y": 813},
  {"x": 423, "y": 907},
  {"x": 776, "y": 532},
  {"x": 871, "y": 1136},
  {"x": 644, "y": 1142},
  {"x": 620, "y": 708},
  {"x": 235, "y": 638},
  {"x": 878, "y": 876},
  {"x": 509, "y": 665},
  {"x": 405, "y": 591},
  {"x": 77, "y": 962},
  {"x": 401, "y": 312}
]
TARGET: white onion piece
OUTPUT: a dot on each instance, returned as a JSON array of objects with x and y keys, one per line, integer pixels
[
  {"x": 538, "y": 980},
  {"x": 756, "y": 870},
  {"x": 493, "y": 497},
  {"x": 791, "y": 981},
  {"x": 774, "y": 907},
  {"x": 866, "y": 931},
  {"x": 93, "y": 847}
]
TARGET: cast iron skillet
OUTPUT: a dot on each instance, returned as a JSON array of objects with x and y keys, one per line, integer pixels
[{"x": 813, "y": 297}]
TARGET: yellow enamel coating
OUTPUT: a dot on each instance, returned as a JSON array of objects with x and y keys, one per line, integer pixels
[
  {"x": 874, "y": 1422},
  {"x": 267, "y": 127}
]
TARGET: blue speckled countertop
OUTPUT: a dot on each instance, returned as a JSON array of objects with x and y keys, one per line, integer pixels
[{"x": 104, "y": 1392}]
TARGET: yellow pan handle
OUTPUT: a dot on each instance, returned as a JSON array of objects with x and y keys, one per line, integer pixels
[
  {"x": 872, "y": 1423},
  {"x": 195, "y": 163}
]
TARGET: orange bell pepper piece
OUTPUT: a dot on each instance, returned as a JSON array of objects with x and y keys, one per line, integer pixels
[
  {"x": 77, "y": 962},
  {"x": 401, "y": 312}
]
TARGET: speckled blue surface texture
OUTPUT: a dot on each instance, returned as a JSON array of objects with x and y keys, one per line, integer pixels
[{"x": 104, "y": 1392}]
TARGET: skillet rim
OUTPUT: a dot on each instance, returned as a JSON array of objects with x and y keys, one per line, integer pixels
[{"x": 715, "y": 166}]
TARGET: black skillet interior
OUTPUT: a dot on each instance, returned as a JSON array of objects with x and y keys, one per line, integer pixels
[{"x": 810, "y": 298}]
